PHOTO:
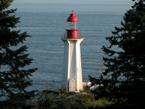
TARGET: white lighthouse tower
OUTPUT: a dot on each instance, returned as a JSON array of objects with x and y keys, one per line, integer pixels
[{"x": 72, "y": 68}]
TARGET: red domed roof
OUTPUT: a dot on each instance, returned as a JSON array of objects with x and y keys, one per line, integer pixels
[{"x": 72, "y": 18}]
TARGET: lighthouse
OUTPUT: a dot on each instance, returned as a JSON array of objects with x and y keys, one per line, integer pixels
[{"x": 72, "y": 68}]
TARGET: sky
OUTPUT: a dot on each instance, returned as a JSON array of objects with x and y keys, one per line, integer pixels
[
  {"x": 80, "y": 3},
  {"x": 76, "y": 1}
]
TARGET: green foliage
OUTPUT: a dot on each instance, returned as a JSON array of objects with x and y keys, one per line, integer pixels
[
  {"x": 47, "y": 102},
  {"x": 127, "y": 66},
  {"x": 75, "y": 101},
  {"x": 62, "y": 90},
  {"x": 65, "y": 100},
  {"x": 15, "y": 78},
  {"x": 105, "y": 102},
  {"x": 82, "y": 102}
]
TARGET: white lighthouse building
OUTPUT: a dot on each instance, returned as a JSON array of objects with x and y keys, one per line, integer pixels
[{"x": 72, "y": 68}]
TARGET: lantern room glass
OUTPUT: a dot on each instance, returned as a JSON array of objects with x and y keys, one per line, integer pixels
[{"x": 72, "y": 25}]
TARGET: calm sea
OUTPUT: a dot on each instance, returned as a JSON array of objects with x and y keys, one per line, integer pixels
[{"x": 45, "y": 21}]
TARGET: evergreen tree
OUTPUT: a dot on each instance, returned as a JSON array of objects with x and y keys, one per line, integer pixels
[
  {"x": 14, "y": 80},
  {"x": 127, "y": 66}
]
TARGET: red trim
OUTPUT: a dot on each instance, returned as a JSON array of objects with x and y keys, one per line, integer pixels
[{"x": 72, "y": 34}]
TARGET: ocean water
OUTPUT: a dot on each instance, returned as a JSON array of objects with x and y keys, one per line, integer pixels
[{"x": 45, "y": 21}]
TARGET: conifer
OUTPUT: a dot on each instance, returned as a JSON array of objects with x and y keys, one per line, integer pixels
[
  {"x": 126, "y": 65},
  {"x": 15, "y": 78}
]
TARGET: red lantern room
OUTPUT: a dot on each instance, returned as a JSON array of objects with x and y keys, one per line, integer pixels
[{"x": 72, "y": 26}]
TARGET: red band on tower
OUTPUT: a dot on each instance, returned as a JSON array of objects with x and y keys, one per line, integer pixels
[{"x": 72, "y": 27}]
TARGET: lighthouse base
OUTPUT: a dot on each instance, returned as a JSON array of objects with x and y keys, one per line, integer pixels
[{"x": 72, "y": 69}]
